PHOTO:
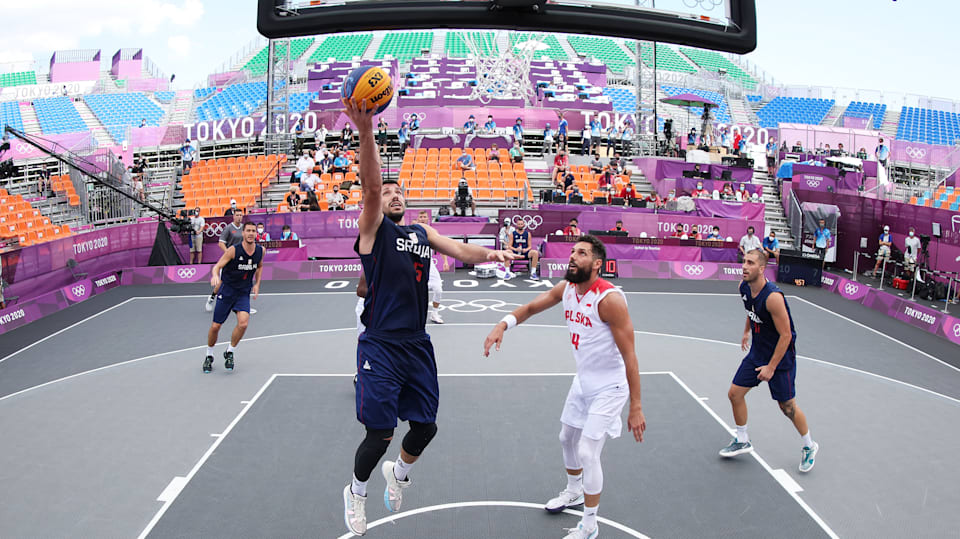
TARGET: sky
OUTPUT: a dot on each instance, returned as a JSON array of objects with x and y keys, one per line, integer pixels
[{"x": 891, "y": 45}]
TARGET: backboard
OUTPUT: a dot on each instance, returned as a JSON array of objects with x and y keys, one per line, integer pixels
[{"x": 724, "y": 25}]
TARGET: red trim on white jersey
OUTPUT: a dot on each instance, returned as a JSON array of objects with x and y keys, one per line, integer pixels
[{"x": 599, "y": 363}]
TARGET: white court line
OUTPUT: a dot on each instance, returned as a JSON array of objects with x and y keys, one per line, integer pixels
[
  {"x": 203, "y": 459},
  {"x": 759, "y": 459},
  {"x": 91, "y": 317}
]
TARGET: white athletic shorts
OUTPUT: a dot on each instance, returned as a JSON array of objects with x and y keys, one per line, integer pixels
[
  {"x": 598, "y": 414},
  {"x": 359, "y": 309},
  {"x": 884, "y": 253}
]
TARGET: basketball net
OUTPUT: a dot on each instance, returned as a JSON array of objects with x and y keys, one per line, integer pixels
[{"x": 503, "y": 74}]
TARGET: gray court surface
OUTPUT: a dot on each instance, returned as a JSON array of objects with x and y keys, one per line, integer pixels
[{"x": 109, "y": 429}]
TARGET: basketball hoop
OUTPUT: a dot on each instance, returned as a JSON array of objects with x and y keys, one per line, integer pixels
[{"x": 502, "y": 74}]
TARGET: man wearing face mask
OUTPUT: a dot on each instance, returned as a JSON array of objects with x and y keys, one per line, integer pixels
[
  {"x": 911, "y": 250},
  {"x": 883, "y": 254},
  {"x": 262, "y": 234},
  {"x": 288, "y": 234},
  {"x": 700, "y": 192},
  {"x": 822, "y": 238},
  {"x": 335, "y": 199},
  {"x": 771, "y": 245}
]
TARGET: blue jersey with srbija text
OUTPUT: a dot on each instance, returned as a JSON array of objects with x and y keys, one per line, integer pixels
[{"x": 765, "y": 334}]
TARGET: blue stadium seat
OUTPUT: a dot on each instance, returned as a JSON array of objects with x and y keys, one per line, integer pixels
[
  {"x": 798, "y": 110},
  {"x": 58, "y": 115}
]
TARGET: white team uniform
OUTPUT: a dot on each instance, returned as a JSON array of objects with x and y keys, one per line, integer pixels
[
  {"x": 360, "y": 327},
  {"x": 599, "y": 389},
  {"x": 435, "y": 283}
]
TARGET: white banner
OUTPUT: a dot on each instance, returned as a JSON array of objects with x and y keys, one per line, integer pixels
[{"x": 34, "y": 91}]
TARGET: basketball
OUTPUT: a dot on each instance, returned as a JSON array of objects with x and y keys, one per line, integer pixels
[{"x": 370, "y": 84}]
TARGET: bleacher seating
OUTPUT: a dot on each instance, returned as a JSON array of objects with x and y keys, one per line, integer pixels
[
  {"x": 10, "y": 115},
  {"x": 18, "y": 219},
  {"x": 456, "y": 47},
  {"x": 721, "y": 114},
  {"x": 117, "y": 111},
  {"x": 602, "y": 48},
  {"x": 212, "y": 183},
  {"x": 667, "y": 59},
  {"x": 588, "y": 183},
  {"x": 944, "y": 197},
  {"x": 797, "y": 110},
  {"x": 63, "y": 186},
  {"x": 18, "y": 78},
  {"x": 234, "y": 101},
  {"x": 554, "y": 50},
  {"x": 404, "y": 45},
  {"x": 58, "y": 115},
  {"x": 928, "y": 126},
  {"x": 714, "y": 61},
  {"x": 200, "y": 93},
  {"x": 754, "y": 98},
  {"x": 344, "y": 47},
  {"x": 859, "y": 109},
  {"x": 624, "y": 100},
  {"x": 433, "y": 175},
  {"x": 300, "y": 102},
  {"x": 164, "y": 97},
  {"x": 258, "y": 64}
]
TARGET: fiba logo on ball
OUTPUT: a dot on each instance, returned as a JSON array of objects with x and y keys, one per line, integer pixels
[
  {"x": 79, "y": 290},
  {"x": 693, "y": 269},
  {"x": 186, "y": 273},
  {"x": 851, "y": 289},
  {"x": 531, "y": 221},
  {"x": 370, "y": 85}
]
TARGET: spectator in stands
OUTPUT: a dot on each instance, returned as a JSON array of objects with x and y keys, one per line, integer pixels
[
  {"x": 322, "y": 135},
  {"x": 572, "y": 229},
  {"x": 506, "y": 233},
  {"x": 678, "y": 231},
  {"x": 491, "y": 125},
  {"x": 772, "y": 156},
  {"x": 470, "y": 126},
  {"x": 518, "y": 131},
  {"x": 840, "y": 149},
  {"x": 559, "y": 190},
  {"x": 287, "y": 234},
  {"x": 911, "y": 251},
  {"x": 605, "y": 180},
  {"x": 382, "y": 135},
  {"x": 748, "y": 242},
  {"x": 335, "y": 200},
  {"x": 882, "y": 153},
  {"x": 143, "y": 122},
  {"x": 293, "y": 199},
  {"x": 596, "y": 166},
  {"x": 694, "y": 233},
  {"x": 862, "y": 154},
  {"x": 726, "y": 141},
  {"x": 299, "y": 135},
  {"x": 618, "y": 227},
  {"x": 737, "y": 141},
  {"x": 415, "y": 123},
  {"x": 403, "y": 136},
  {"x": 311, "y": 203},
  {"x": 43, "y": 180},
  {"x": 822, "y": 238},
  {"x": 617, "y": 164},
  {"x": 516, "y": 153},
  {"x": 493, "y": 155},
  {"x": 562, "y": 138},
  {"x": 742, "y": 194},
  {"x": 771, "y": 245},
  {"x": 568, "y": 180},
  {"x": 188, "y": 154},
  {"x": 715, "y": 234},
  {"x": 626, "y": 138},
  {"x": 654, "y": 199},
  {"x": 826, "y": 149},
  {"x": 700, "y": 192},
  {"x": 585, "y": 141},
  {"x": 560, "y": 162},
  {"x": 326, "y": 162},
  {"x": 671, "y": 197},
  {"x": 547, "y": 139},
  {"x": 346, "y": 137},
  {"x": 232, "y": 209},
  {"x": 596, "y": 135},
  {"x": 727, "y": 192},
  {"x": 628, "y": 192},
  {"x": 305, "y": 166},
  {"x": 341, "y": 163},
  {"x": 465, "y": 161},
  {"x": 574, "y": 191},
  {"x": 797, "y": 147},
  {"x": 463, "y": 198},
  {"x": 613, "y": 135},
  {"x": 197, "y": 223},
  {"x": 262, "y": 234},
  {"x": 308, "y": 183},
  {"x": 883, "y": 253}
]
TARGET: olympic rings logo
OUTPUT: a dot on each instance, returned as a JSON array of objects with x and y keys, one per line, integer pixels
[
  {"x": 813, "y": 182},
  {"x": 851, "y": 289},
  {"x": 22, "y": 148},
  {"x": 79, "y": 290},
  {"x": 186, "y": 273},
  {"x": 408, "y": 116},
  {"x": 705, "y": 4},
  {"x": 915, "y": 153},
  {"x": 215, "y": 229},
  {"x": 478, "y": 305},
  {"x": 531, "y": 221},
  {"x": 956, "y": 330},
  {"x": 693, "y": 269}
]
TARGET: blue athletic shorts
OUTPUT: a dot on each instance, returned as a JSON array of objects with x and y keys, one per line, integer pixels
[
  {"x": 230, "y": 300},
  {"x": 781, "y": 385},
  {"x": 396, "y": 378}
]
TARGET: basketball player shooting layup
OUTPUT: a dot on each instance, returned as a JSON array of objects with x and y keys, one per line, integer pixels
[
  {"x": 772, "y": 358},
  {"x": 601, "y": 336},
  {"x": 397, "y": 372}
]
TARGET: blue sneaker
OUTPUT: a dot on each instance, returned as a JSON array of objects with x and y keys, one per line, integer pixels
[
  {"x": 808, "y": 454},
  {"x": 580, "y": 533},
  {"x": 736, "y": 448}
]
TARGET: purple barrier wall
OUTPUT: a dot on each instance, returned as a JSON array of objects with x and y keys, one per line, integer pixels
[
  {"x": 821, "y": 182},
  {"x": 21, "y": 150},
  {"x": 148, "y": 85},
  {"x": 915, "y": 314},
  {"x": 648, "y": 269},
  {"x": 79, "y": 71},
  {"x": 35, "y": 308},
  {"x": 924, "y": 154},
  {"x": 127, "y": 69},
  {"x": 218, "y": 79},
  {"x": 686, "y": 186},
  {"x": 653, "y": 249},
  {"x": 812, "y": 136},
  {"x": 146, "y": 136},
  {"x": 660, "y": 168}
]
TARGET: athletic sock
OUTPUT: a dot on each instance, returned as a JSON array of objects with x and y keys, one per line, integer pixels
[
  {"x": 742, "y": 435},
  {"x": 401, "y": 469},
  {"x": 358, "y": 487},
  {"x": 575, "y": 482},
  {"x": 209, "y": 350},
  {"x": 231, "y": 348},
  {"x": 807, "y": 440},
  {"x": 213, "y": 295},
  {"x": 590, "y": 518}
]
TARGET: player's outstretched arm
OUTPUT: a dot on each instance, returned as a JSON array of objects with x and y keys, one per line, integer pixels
[
  {"x": 539, "y": 304},
  {"x": 226, "y": 257},
  {"x": 370, "y": 180},
  {"x": 613, "y": 311},
  {"x": 466, "y": 252}
]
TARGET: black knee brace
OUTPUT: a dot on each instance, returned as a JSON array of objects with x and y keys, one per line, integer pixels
[
  {"x": 419, "y": 436},
  {"x": 370, "y": 452}
]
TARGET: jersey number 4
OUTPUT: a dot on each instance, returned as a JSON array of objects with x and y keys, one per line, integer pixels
[{"x": 575, "y": 340}]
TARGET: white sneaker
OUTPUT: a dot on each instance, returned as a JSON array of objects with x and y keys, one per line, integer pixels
[
  {"x": 253, "y": 311},
  {"x": 393, "y": 494},
  {"x": 564, "y": 500},
  {"x": 354, "y": 511},
  {"x": 580, "y": 533},
  {"x": 209, "y": 305},
  {"x": 435, "y": 317}
]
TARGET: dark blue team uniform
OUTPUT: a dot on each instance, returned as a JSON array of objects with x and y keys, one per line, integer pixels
[
  {"x": 397, "y": 371},
  {"x": 236, "y": 283},
  {"x": 764, "y": 342},
  {"x": 521, "y": 240}
]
